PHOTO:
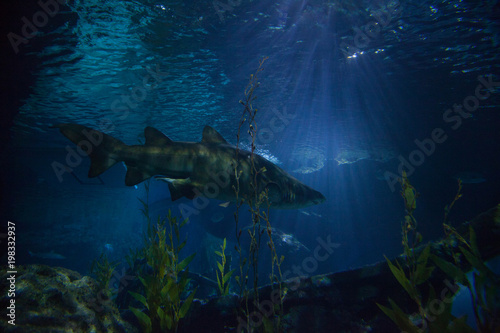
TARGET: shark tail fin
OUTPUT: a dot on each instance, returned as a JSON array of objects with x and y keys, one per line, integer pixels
[{"x": 102, "y": 149}]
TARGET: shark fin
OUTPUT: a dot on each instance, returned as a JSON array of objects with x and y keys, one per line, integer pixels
[
  {"x": 181, "y": 188},
  {"x": 165, "y": 179},
  {"x": 156, "y": 138},
  {"x": 210, "y": 135},
  {"x": 135, "y": 176},
  {"x": 101, "y": 148}
]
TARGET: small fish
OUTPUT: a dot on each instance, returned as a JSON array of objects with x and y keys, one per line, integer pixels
[
  {"x": 108, "y": 247},
  {"x": 470, "y": 177},
  {"x": 47, "y": 255},
  {"x": 289, "y": 240},
  {"x": 282, "y": 239},
  {"x": 217, "y": 217},
  {"x": 310, "y": 213}
]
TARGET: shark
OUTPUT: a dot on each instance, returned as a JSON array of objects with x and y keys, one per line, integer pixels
[
  {"x": 47, "y": 255},
  {"x": 212, "y": 167}
]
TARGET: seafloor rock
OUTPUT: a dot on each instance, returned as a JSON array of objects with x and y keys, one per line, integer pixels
[
  {"x": 59, "y": 300},
  {"x": 342, "y": 301},
  {"x": 56, "y": 299}
]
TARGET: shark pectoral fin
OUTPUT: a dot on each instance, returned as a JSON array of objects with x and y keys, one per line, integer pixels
[
  {"x": 165, "y": 179},
  {"x": 135, "y": 176},
  {"x": 178, "y": 187},
  {"x": 181, "y": 188}
]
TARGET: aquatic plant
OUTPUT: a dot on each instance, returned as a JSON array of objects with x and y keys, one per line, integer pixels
[
  {"x": 103, "y": 269},
  {"x": 223, "y": 275},
  {"x": 484, "y": 288},
  {"x": 133, "y": 258},
  {"x": 259, "y": 209},
  {"x": 166, "y": 296}
]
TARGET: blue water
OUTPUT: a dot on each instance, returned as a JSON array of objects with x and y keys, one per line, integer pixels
[{"x": 335, "y": 109}]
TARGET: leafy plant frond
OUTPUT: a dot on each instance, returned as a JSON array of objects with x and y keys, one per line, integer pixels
[
  {"x": 417, "y": 272},
  {"x": 166, "y": 282}
]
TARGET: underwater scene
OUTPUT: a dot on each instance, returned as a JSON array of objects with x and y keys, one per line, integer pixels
[{"x": 250, "y": 166}]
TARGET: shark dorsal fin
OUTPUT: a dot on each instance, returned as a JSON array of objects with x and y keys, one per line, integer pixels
[
  {"x": 212, "y": 136},
  {"x": 155, "y": 137}
]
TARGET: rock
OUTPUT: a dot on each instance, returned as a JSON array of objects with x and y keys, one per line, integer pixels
[
  {"x": 341, "y": 301},
  {"x": 56, "y": 299}
]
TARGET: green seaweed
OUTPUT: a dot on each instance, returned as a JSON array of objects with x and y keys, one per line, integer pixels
[
  {"x": 166, "y": 298},
  {"x": 222, "y": 274},
  {"x": 484, "y": 289},
  {"x": 259, "y": 209},
  {"x": 133, "y": 257},
  {"x": 417, "y": 272},
  {"x": 103, "y": 270}
]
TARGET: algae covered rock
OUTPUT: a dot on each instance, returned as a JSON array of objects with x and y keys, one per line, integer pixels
[{"x": 56, "y": 299}]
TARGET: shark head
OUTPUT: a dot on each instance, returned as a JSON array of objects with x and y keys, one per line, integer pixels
[{"x": 292, "y": 194}]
